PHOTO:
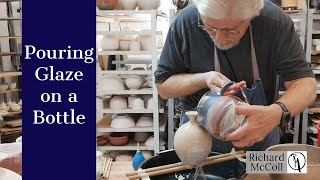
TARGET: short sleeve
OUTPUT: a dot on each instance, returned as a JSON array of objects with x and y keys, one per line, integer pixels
[
  {"x": 171, "y": 59},
  {"x": 290, "y": 57}
]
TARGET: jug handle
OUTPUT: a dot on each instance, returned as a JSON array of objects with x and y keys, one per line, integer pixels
[{"x": 224, "y": 88}]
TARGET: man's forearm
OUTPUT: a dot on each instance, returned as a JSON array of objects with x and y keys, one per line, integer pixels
[
  {"x": 299, "y": 95},
  {"x": 181, "y": 85}
]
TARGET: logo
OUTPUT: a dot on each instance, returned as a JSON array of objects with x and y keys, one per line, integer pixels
[{"x": 297, "y": 162}]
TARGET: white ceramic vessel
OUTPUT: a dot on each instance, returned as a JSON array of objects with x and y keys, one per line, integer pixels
[
  {"x": 110, "y": 83},
  {"x": 150, "y": 103},
  {"x": 110, "y": 43},
  {"x": 133, "y": 82},
  {"x": 137, "y": 103},
  {"x": 148, "y": 4},
  {"x": 122, "y": 121},
  {"x": 128, "y": 4},
  {"x": 130, "y": 99},
  {"x": 146, "y": 43},
  {"x": 135, "y": 45},
  {"x": 14, "y": 107},
  {"x": 125, "y": 45},
  {"x": 9, "y": 103},
  {"x": 118, "y": 102},
  {"x": 145, "y": 121},
  {"x": 12, "y": 85},
  {"x": 149, "y": 81}
]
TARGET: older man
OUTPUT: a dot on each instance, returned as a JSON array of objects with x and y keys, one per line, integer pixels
[{"x": 246, "y": 41}]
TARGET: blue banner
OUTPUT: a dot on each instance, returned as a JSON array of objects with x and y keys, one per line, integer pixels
[{"x": 59, "y": 89}]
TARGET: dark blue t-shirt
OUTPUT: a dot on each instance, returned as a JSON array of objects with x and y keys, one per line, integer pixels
[{"x": 189, "y": 49}]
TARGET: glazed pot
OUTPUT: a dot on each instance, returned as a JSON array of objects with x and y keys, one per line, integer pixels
[
  {"x": 118, "y": 102},
  {"x": 128, "y": 4},
  {"x": 119, "y": 139},
  {"x": 110, "y": 43},
  {"x": 133, "y": 82},
  {"x": 213, "y": 108},
  {"x": 122, "y": 121},
  {"x": 148, "y": 4}
]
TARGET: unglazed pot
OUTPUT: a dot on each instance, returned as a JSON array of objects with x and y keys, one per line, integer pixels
[
  {"x": 3, "y": 106},
  {"x": 133, "y": 82},
  {"x": 149, "y": 81},
  {"x": 145, "y": 121},
  {"x": 110, "y": 43},
  {"x": 146, "y": 43},
  {"x": 118, "y": 102},
  {"x": 137, "y": 103},
  {"x": 130, "y": 99},
  {"x": 141, "y": 136},
  {"x": 192, "y": 143},
  {"x": 128, "y": 4},
  {"x": 125, "y": 45},
  {"x": 122, "y": 121},
  {"x": 14, "y": 107},
  {"x": 135, "y": 45},
  {"x": 148, "y": 4},
  {"x": 110, "y": 83}
]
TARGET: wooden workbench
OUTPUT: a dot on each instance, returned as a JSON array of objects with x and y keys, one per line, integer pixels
[{"x": 119, "y": 169}]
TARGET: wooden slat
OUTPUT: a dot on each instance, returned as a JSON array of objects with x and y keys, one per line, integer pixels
[
  {"x": 10, "y": 19},
  {"x": 7, "y": 129},
  {"x": 10, "y": 91},
  {"x": 12, "y": 113},
  {"x": 10, "y": 54},
  {"x": 9, "y": 74},
  {"x": 14, "y": 123},
  {"x": 10, "y": 37}
]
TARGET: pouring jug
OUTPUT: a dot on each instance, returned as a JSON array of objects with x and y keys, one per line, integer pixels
[{"x": 217, "y": 112}]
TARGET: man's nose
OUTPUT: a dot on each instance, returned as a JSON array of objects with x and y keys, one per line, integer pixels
[{"x": 219, "y": 37}]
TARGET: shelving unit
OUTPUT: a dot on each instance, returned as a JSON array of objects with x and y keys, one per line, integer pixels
[
  {"x": 10, "y": 117},
  {"x": 144, "y": 58}
]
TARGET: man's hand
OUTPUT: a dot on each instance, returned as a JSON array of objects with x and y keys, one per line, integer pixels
[
  {"x": 216, "y": 80},
  {"x": 259, "y": 123}
]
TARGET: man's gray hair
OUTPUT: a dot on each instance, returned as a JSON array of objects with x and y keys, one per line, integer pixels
[{"x": 229, "y": 9}]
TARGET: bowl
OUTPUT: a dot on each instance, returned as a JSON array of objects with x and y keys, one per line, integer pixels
[
  {"x": 4, "y": 86},
  {"x": 313, "y": 160},
  {"x": 134, "y": 82},
  {"x": 12, "y": 85},
  {"x": 150, "y": 141},
  {"x": 119, "y": 139},
  {"x": 122, "y": 121},
  {"x": 141, "y": 136},
  {"x": 145, "y": 121},
  {"x": 110, "y": 83},
  {"x": 118, "y": 102},
  {"x": 137, "y": 103}
]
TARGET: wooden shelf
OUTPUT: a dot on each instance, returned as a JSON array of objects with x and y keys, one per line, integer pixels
[
  {"x": 10, "y": 19},
  {"x": 12, "y": 113},
  {"x": 10, "y": 91},
  {"x": 132, "y": 72},
  {"x": 10, "y": 37},
  {"x": 10, "y": 54},
  {"x": 143, "y": 32},
  {"x": 125, "y": 92},
  {"x": 9, "y": 74},
  {"x": 132, "y": 145},
  {"x": 139, "y": 111},
  {"x": 104, "y": 126}
]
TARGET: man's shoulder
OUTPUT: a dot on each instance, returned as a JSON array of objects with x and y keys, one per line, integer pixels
[
  {"x": 187, "y": 17},
  {"x": 273, "y": 15}
]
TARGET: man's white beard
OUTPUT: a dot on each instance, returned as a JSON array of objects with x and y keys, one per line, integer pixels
[{"x": 233, "y": 44}]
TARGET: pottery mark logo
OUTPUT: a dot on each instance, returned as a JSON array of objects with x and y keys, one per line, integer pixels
[{"x": 297, "y": 162}]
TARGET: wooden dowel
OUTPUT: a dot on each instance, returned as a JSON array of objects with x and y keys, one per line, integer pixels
[
  {"x": 182, "y": 168},
  {"x": 107, "y": 167},
  {"x": 181, "y": 164},
  {"x": 108, "y": 171}
]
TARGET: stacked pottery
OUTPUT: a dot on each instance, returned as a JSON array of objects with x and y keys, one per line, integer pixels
[
  {"x": 133, "y": 82},
  {"x": 135, "y": 45},
  {"x": 9, "y": 103},
  {"x": 130, "y": 99},
  {"x": 145, "y": 121},
  {"x": 110, "y": 83},
  {"x": 122, "y": 121}
]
